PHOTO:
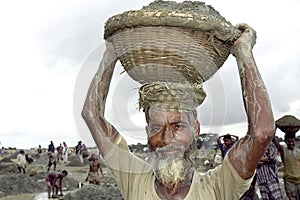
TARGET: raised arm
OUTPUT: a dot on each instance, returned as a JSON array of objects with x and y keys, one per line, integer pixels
[
  {"x": 93, "y": 111},
  {"x": 219, "y": 139},
  {"x": 279, "y": 148},
  {"x": 246, "y": 154},
  {"x": 236, "y": 137}
]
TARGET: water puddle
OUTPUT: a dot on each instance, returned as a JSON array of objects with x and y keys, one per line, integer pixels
[{"x": 42, "y": 196}]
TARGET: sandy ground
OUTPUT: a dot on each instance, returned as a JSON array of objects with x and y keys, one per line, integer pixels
[{"x": 31, "y": 186}]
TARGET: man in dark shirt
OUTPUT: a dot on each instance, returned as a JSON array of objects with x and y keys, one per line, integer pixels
[
  {"x": 227, "y": 143},
  {"x": 51, "y": 147}
]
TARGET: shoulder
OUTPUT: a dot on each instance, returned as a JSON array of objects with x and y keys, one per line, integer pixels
[
  {"x": 52, "y": 175},
  {"x": 285, "y": 149}
]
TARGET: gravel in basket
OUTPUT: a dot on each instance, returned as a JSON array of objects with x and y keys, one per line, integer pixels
[
  {"x": 288, "y": 124},
  {"x": 170, "y": 41},
  {"x": 288, "y": 121}
]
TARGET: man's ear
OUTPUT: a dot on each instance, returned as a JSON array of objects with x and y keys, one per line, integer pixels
[{"x": 196, "y": 127}]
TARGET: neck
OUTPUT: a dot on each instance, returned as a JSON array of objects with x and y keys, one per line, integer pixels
[{"x": 172, "y": 190}]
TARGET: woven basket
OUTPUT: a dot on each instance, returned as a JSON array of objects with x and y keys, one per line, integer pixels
[
  {"x": 289, "y": 130},
  {"x": 169, "y": 41}
]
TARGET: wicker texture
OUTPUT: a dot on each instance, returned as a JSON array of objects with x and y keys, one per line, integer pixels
[
  {"x": 169, "y": 41},
  {"x": 170, "y": 96}
]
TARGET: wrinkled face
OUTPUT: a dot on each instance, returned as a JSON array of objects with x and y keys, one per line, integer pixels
[
  {"x": 290, "y": 142},
  {"x": 166, "y": 128},
  {"x": 171, "y": 136}
]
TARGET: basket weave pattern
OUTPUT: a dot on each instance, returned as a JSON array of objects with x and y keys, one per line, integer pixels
[
  {"x": 150, "y": 54},
  {"x": 169, "y": 41}
]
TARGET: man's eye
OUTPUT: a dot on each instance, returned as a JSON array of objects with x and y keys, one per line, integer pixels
[
  {"x": 180, "y": 126},
  {"x": 177, "y": 126},
  {"x": 155, "y": 129}
]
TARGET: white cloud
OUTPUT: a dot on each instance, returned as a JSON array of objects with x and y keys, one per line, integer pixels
[{"x": 295, "y": 107}]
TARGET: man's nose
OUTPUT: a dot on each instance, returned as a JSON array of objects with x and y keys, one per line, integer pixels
[{"x": 167, "y": 135}]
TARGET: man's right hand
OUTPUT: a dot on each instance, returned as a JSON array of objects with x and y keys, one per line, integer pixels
[{"x": 246, "y": 41}]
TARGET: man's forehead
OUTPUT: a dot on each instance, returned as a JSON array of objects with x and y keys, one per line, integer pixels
[
  {"x": 290, "y": 139},
  {"x": 158, "y": 114}
]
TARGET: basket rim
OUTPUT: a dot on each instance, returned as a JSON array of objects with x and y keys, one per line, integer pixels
[
  {"x": 223, "y": 30},
  {"x": 207, "y": 22}
]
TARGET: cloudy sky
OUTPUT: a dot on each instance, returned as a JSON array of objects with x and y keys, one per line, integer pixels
[{"x": 51, "y": 49}]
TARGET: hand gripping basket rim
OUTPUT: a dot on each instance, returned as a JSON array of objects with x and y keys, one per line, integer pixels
[{"x": 212, "y": 34}]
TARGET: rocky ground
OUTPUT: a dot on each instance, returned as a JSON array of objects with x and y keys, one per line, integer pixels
[{"x": 31, "y": 186}]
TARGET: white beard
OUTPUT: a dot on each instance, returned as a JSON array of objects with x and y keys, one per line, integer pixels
[{"x": 171, "y": 169}]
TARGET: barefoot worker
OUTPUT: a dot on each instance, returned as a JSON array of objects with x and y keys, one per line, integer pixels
[
  {"x": 172, "y": 126},
  {"x": 93, "y": 174},
  {"x": 51, "y": 182}
]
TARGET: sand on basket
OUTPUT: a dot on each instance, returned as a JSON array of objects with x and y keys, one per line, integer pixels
[
  {"x": 288, "y": 120},
  {"x": 170, "y": 41},
  {"x": 288, "y": 123}
]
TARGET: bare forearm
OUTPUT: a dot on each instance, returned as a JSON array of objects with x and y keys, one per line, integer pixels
[
  {"x": 93, "y": 111},
  {"x": 279, "y": 148},
  {"x": 60, "y": 186},
  {"x": 255, "y": 96},
  {"x": 265, "y": 160},
  {"x": 235, "y": 136},
  {"x": 260, "y": 117},
  {"x": 247, "y": 153}
]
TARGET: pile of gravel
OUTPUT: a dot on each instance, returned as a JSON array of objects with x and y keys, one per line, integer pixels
[
  {"x": 95, "y": 192},
  {"x": 6, "y": 160},
  {"x": 13, "y": 184}
]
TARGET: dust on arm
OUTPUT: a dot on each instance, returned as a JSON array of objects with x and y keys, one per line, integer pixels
[
  {"x": 246, "y": 154},
  {"x": 102, "y": 131}
]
